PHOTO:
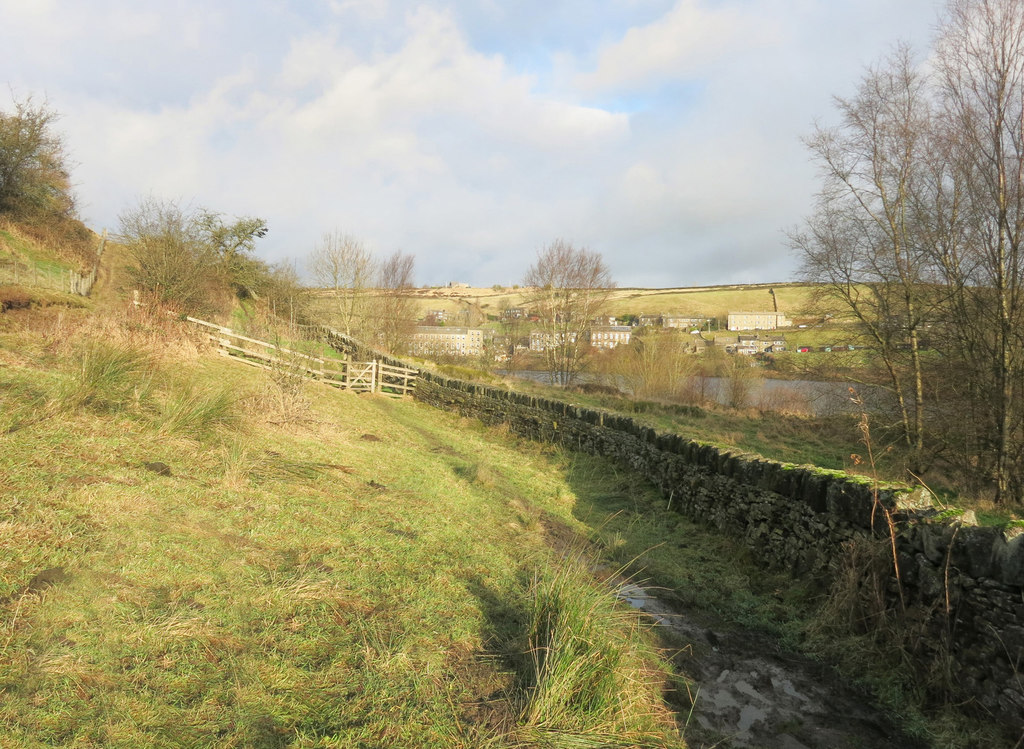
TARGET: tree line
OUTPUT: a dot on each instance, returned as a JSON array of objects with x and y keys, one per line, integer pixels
[{"x": 918, "y": 232}]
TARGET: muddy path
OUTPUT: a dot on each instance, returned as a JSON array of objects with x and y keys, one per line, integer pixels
[{"x": 749, "y": 693}]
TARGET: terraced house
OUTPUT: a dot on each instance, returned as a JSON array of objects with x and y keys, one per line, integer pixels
[
  {"x": 541, "y": 341},
  {"x": 432, "y": 340},
  {"x": 758, "y": 320},
  {"x": 609, "y": 336}
]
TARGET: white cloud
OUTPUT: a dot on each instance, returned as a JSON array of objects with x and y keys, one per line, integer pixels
[
  {"x": 432, "y": 147},
  {"x": 460, "y": 133},
  {"x": 684, "y": 42},
  {"x": 365, "y": 9}
]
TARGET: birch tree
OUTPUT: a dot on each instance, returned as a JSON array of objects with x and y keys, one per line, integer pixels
[
  {"x": 341, "y": 263},
  {"x": 569, "y": 287},
  {"x": 394, "y": 309},
  {"x": 869, "y": 241},
  {"x": 980, "y": 59}
]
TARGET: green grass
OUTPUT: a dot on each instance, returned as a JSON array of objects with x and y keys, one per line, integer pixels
[
  {"x": 202, "y": 563},
  {"x": 107, "y": 376},
  {"x": 180, "y": 568},
  {"x": 32, "y": 253},
  {"x": 575, "y": 663},
  {"x": 198, "y": 411},
  {"x": 827, "y": 442}
]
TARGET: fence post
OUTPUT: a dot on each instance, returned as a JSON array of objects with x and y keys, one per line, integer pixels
[{"x": 373, "y": 376}]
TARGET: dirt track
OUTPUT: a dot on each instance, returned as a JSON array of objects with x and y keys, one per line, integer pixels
[{"x": 751, "y": 694}]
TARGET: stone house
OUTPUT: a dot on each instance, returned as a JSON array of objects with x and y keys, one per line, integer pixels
[
  {"x": 433, "y": 340},
  {"x": 758, "y": 320},
  {"x": 609, "y": 336}
]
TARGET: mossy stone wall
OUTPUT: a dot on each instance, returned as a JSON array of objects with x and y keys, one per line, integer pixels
[{"x": 959, "y": 585}]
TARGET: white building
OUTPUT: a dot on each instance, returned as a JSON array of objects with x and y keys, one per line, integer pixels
[
  {"x": 541, "y": 341},
  {"x": 684, "y": 322},
  {"x": 609, "y": 336},
  {"x": 432, "y": 340},
  {"x": 758, "y": 320}
]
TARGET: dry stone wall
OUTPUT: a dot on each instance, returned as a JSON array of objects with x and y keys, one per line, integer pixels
[{"x": 959, "y": 586}]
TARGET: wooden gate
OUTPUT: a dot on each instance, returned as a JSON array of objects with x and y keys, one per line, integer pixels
[{"x": 362, "y": 376}]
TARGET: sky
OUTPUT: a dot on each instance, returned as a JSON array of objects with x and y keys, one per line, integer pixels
[{"x": 665, "y": 135}]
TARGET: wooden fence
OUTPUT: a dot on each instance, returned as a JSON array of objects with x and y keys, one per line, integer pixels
[{"x": 369, "y": 377}]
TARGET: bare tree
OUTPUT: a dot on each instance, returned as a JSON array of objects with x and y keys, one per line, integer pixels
[
  {"x": 871, "y": 239},
  {"x": 394, "y": 309},
  {"x": 981, "y": 63},
  {"x": 167, "y": 256},
  {"x": 569, "y": 287},
  {"x": 513, "y": 326},
  {"x": 342, "y": 263},
  {"x": 921, "y": 222},
  {"x": 656, "y": 364}
]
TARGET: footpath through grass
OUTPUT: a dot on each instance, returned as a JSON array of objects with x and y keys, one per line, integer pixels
[{"x": 199, "y": 554}]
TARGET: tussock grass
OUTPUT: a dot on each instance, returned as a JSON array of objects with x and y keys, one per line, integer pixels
[
  {"x": 593, "y": 681},
  {"x": 108, "y": 377},
  {"x": 279, "y": 584},
  {"x": 197, "y": 412}
]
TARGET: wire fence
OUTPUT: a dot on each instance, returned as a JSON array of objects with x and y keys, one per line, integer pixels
[{"x": 19, "y": 273}]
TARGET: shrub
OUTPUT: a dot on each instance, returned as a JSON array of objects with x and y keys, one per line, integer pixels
[{"x": 34, "y": 177}]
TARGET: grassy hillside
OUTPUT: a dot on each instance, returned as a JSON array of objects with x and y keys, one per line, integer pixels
[
  {"x": 198, "y": 554},
  {"x": 712, "y": 301},
  {"x": 715, "y": 301}
]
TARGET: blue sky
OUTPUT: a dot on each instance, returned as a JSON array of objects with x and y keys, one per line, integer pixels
[{"x": 663, "y": 134}]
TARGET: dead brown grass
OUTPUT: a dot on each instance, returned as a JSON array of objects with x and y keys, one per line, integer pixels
[{"x": 15, "y": 297}]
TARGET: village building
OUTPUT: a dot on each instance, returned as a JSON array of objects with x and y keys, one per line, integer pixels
[
  {"x": 758, "y": 320},
  {"x": 697, "y": 345},
  {"x": 542, "y": 341},
  {"x": 751, "y": 344},
  {"x": 685, "y": 322},
  {"x": 727, "y": 343},
  {"x": 513, "y": 313},
  {"x": 434, "y": 340},
  {"x": 609, "y": 336}
]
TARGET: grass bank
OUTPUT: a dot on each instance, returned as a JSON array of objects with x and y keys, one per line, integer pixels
[{"x": 195, "y": 554}]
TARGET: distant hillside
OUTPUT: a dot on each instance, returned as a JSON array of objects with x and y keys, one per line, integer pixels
[{"x": 708, "y": 301}]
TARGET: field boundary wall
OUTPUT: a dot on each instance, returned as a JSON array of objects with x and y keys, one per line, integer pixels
[{"x": 959, "y": 586}]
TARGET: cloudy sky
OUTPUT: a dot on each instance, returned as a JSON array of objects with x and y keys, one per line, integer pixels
[{"x": 663, "y": 134}]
